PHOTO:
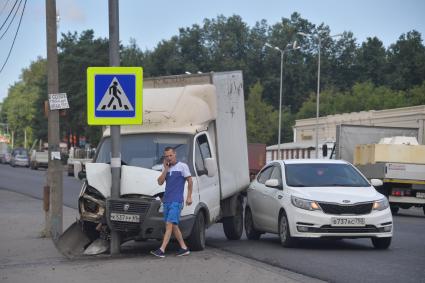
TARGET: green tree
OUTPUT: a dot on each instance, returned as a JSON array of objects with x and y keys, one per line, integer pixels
[
  {"x": 23, "y": 108},
  {"x": 262, "y": 120},
  {"x": 19, "y": 108},
  {"x": 406, "y": 58},
  {"x": 361, "y": 97},
  {"x": 371, "y": 61},
  {"x": 76, "y": 54},
  {"x": 343, "y": 55}
]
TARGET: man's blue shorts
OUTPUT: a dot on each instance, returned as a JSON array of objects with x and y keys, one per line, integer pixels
[{"x": 172, "y": 212}]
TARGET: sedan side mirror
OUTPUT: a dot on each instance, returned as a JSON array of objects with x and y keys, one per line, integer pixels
[
  {"x": 376, "y": 182},
  {"x": 273, "y": 183}
]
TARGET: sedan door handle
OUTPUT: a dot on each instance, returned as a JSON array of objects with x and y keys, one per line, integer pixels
[{"x": 279, "y": 196}]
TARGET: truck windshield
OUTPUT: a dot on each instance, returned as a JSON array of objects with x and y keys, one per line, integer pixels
[
  {"x": 145, "y": 150},
  {"x": 323, "y": 175}
]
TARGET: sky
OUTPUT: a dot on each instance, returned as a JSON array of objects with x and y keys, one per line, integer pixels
[{"x": 149, "y": 22}]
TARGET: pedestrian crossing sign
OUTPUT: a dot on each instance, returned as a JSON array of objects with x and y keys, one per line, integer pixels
[{"x": 114, "y": 95}]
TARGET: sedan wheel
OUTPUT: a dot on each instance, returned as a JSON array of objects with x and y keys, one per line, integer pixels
[
  {"x": 381, "y": 243},
  {"x": 250, "y": 231},
  {"x": 284, "y": 233}
]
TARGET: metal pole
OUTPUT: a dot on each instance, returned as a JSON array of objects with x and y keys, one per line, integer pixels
[
  {"x": 114, "y": 60},
  {"x": 317, "y": 100},
  {"x": 280, "y": 105},
  {"x": 54, "y": 178}
]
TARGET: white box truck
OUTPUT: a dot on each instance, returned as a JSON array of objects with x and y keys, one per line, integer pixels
[{"x": 203, "y": 118}]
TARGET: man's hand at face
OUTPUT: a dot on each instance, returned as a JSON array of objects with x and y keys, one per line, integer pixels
[{"x": 166, "y": 164}]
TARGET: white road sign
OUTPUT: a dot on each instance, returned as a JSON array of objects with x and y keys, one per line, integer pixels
[{"x": 58, "y": 101}]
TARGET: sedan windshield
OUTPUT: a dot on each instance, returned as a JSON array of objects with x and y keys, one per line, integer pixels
[
  {"x": 145, "y": 150},
  {"x": 323, "y": 175}
]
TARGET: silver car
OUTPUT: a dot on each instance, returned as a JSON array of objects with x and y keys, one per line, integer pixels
[{"x": 20, "y": 157}]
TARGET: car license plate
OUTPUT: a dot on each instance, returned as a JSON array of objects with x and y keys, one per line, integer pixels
[
  {"x": 342, "y": 221},
  {"x": 420, "y": 195},
  {"x": 125, "y": 217}
]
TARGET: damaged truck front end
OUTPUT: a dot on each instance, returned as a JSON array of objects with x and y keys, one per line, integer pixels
[{"x": 137, "y": 213}]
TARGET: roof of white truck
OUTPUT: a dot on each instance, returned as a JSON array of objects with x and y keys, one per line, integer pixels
[{"x": 176, "y": 109}]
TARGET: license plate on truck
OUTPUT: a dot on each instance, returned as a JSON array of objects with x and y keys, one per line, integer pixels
[
  {"x": 343, "y": 221},
  {"x": 125, "y": 217}
]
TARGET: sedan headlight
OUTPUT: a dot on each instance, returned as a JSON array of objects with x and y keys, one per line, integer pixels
[
  {"x": 381, "y": 204},
  {"x": 305, "y": 203}
]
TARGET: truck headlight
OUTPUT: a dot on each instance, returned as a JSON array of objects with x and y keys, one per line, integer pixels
[
  {"x": 381, "y": 204},
  {"x": 305, "y": 203}
]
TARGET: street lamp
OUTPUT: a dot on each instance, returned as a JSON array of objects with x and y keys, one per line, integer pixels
[
  {"x": 288, "y": 47},
  {"x": 316, "y": 35}
]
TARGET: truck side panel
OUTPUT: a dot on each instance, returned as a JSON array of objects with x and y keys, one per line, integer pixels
[{"x": 231, "y": 139}]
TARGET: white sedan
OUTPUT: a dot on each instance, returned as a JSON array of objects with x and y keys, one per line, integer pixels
[{"x": 308, "y": 198}]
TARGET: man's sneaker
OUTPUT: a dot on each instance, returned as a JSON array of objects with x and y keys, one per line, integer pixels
[
  {"x": 158, "y": 253},
  {"x": 182, "y": 252}
]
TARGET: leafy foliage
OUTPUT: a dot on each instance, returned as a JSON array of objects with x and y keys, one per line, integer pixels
[
  {"x": 354, "y": 77},
  {"x": 262, "y": 120}
]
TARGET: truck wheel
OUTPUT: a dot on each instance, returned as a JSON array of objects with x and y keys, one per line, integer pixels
[
  {"x": 381, "y": 243},
  {"x": 196, "y": 240},
  {"x": 394, "y": 209},
  {"x": 284, "y": 233},
  {"x": 250, "y": 231},
  {"x": 233, "y": 225}
]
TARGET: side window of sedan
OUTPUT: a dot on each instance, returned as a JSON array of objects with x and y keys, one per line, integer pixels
[{"x": 265, "y": 175}]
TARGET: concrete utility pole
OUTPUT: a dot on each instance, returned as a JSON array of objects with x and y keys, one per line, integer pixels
[
  {"x": 54, "y": 172},
  {"x": 114, "y": 61}
]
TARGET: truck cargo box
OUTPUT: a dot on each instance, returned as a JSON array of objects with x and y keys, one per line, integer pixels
[{"x": 401, "y": 153}]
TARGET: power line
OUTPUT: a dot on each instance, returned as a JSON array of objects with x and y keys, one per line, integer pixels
[
  {"x": 14, "y": 38},
  {"x": 11, "y": 21},
  {"x": 13, "y": 8}
]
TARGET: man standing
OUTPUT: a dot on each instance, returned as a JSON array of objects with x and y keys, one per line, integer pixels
[{"x": 174, "y": 174}]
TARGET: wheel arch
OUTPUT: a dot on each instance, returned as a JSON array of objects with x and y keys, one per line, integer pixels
[{"x": 203, "y": 208}]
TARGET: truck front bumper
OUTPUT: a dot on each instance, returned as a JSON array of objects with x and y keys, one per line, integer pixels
[{"x": 141, "y": 218}]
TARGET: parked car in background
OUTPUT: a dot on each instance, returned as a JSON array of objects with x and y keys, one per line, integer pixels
[
  {"x": 308, "y": 198},
  {"x": 6, "y": 158},
  {"x": 39, "y": 159},
  {"x": 4, "y": 152},
  {"x": 19, "y": 157},
  {"x": 78, "y": 158}
]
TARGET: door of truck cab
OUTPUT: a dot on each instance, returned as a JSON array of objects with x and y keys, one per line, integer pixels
[{"x": 208, "y": 187}]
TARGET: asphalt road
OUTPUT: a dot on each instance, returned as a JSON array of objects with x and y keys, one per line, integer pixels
[{"x": 336, "y": 261}]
